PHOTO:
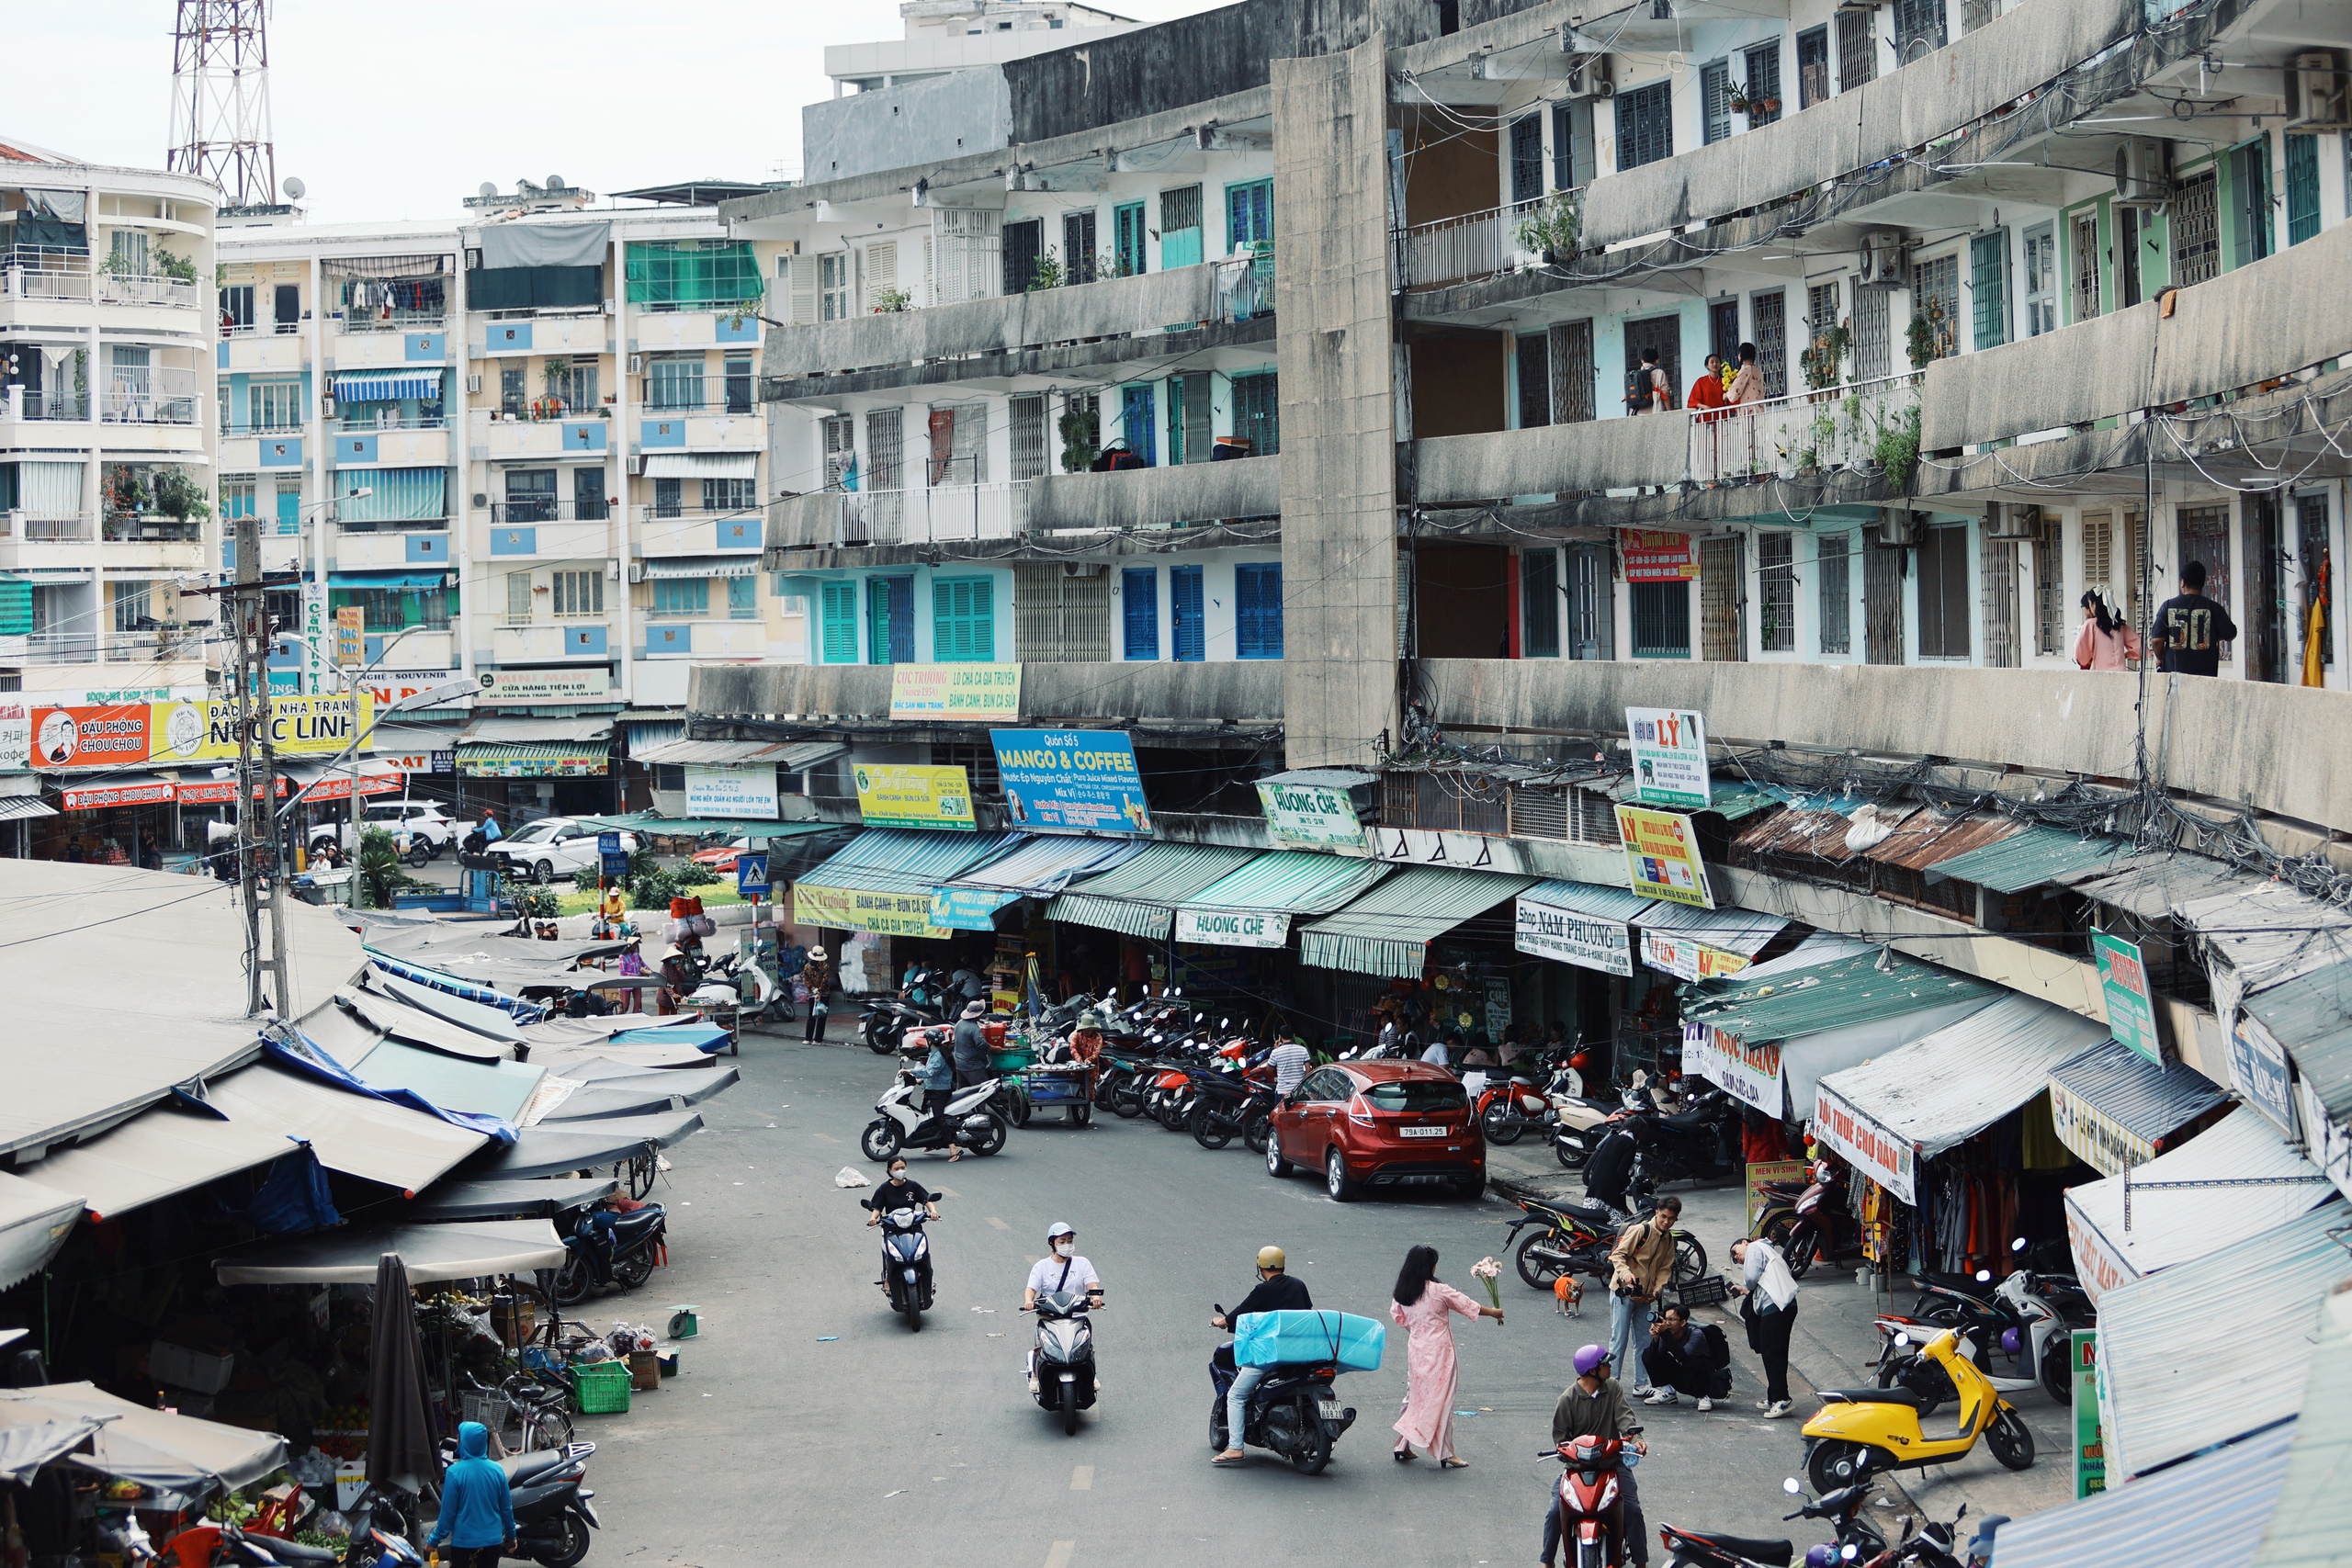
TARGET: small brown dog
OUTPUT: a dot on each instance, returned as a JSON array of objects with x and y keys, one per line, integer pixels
[{"x": 1568, "y": 1295}]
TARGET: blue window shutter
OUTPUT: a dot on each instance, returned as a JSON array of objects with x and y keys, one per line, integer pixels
[
  {"x": 881, "y": 646},
  {"x": 1191, "y": 638},
  {"x": 839, "y": 614},
  {"x": 1258, "y": 611},
  {"x": 1139, "y": 601},
  {"x": 1139, "y": 420},
  {"x": 963, "y": 628}
]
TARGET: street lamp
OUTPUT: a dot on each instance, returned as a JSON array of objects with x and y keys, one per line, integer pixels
[{"x": 430, "y": 697}]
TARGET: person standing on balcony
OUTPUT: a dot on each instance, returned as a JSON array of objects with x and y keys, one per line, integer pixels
[
  {"x": 1707, "y": 394},
  {"x": 1647, "y": 389},
  {"x": 2190, "y": 628},
  {"x": 2105, "y": 642},
  {"x": 1748, "y": 387}
]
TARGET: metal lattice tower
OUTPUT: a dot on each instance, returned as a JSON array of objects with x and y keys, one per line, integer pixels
[{"x": 221, "y": 98}]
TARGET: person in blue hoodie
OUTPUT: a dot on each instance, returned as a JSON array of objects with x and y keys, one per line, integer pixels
[{"x": 477, "y": 1505}]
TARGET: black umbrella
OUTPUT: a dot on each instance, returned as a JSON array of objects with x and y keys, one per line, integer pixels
[{"x": 402, "y": 1448}]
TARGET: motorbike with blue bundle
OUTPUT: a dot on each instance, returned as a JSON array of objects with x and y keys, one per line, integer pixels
[{"x": 1294, "y": 1412}]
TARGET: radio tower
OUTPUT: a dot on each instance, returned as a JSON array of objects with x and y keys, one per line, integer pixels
[{"x": 221, "y": 99}]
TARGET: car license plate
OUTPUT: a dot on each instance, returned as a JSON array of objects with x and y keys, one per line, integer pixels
[
  {"x": 1331, "y": 1410},
  {"x": 1420, "y": 1132}
]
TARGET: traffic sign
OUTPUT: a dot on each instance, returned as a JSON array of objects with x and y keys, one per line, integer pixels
[
  {"x": 612, "y": 860},
  {"x": 752, "y": 875}
]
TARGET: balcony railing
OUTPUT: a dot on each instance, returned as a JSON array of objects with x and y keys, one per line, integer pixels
[
  {"x": 1815, "y": 431},
  {"x": 550, "y": 511},
  {"x": 158, "y": 397},
  {"x": 56, "y": 530},
  {"x": 165, "y": 530},
  {"x": 394, "y": 321},
  {"x": 288, "y": 426},
  {"x": 145, "y": 288},
  {"x": 1455, "y": 249},
  {"x": 35, "y": 272},
  {"x": 391, "y": 419},
  {"x": 935, "y": 515},
  {"x": 716, "y": 401},
  {"x": 27, "y": 402}
]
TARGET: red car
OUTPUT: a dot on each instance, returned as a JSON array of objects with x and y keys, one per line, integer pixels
[
  {"x": 721, "y": 857},
  {"x": 1383, "y": 1124}
]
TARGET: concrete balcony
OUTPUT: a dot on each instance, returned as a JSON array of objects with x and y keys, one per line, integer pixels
[
  {"x": 694, "y": 532},
  {"x": 174, "y": 549},
  {"x": 388, "y": 447},
  {"x": 419, "y": 649},
  {"x": 1552, "y": 459},
  {"x": 1242, "y": 693},
  {"x": 544, "y": 534},
  {"x": 425, "y": 343},
  {"x": 264, "y": 353},
  {"x": 1136, "y": 498},
  {"x": 938, "y": 514},
  {"x": 78, "y": 298},
  {"x": 547, "y": 642},
  {"x": 1806, "y": 433},
  {"x": 504, "y": 440},
  {"x": 692, "y": 431},
  {"x": 587, "y": 333},
  {"x": 663, "y": 332},
  {"x": 702, "y": 638},
  {"x": 418, "y": 550}
]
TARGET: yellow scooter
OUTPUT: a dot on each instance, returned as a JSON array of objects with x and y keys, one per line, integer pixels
[{"x": 1859, "y": 1432}]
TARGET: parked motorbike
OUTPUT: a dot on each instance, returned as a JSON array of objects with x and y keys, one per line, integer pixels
[
  {"x": 1512, "y": 1100},
  {"x": 1575, "y": 1238},
  {"x": 887, "y": 1019},
  {"x": 1061, "y": 1364},
  {"x": 1578, "y": 1121},
  {"x": 607, "y": 1248},
  {"x": 900, "y": 1124},
  {"x": 735, "y": 984},
  {"x": 1814, "y": 1223},
  {"x": 1592, "y": 1501},
  {"x": 906, "y": 1263},
  {"x": 1291, "y": 1412},
  {"x": 1861, "y": 1432},
  {"x": 1701, "y": 1144},
  {"x": 2026, "y": 1326},
  {"x": 1858, "y": 1537},
  {"x": 1233, "y": 1101}
]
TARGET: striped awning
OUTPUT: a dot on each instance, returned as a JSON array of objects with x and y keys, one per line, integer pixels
[
  {"x": 2117, "y": 1109},
  {"x": 703, "y": 566},
  {"x": 1139, "y": 898},
  {"x": 1038, "y": 869},
  {"x": 387, "y": 386},
  {"x": 882, "y": 881},
  {"x": 1253, "y": 906},
  {"x": 18, "y": 807},
  {"x": 1388, "y": 930},
  {"x": 518, "y": 759},
  {"x": 701, "y": 464}
]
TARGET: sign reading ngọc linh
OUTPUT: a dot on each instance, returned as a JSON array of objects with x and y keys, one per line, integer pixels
[
  {"x": 1662, "y": 857},
  {"x": 892, "y": 794},
  {"x": 956, "y": 691},
  {"x": 1310, "y": 817},
  {"x": 1567, "y": 936},
  {"x": 1670, "y": 751},
  {"x": 197, "y": 732},
  {"x": 1233, "y": 927},
  {"x": 1075, "y": 779},
  {"x": 2130, "y": 1007}
]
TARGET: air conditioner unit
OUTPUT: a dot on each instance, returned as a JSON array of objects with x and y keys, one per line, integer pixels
[
  {"x": 473, "y": 385},
  {"x": 635, "y": 467},
  {"x": 613, "y": 568},
  {"x": 2012, "y": 520},
  {"x": 1898, "y": 529},
  {"x": 482, "y": 498},
  {"x": 1082, "y": 568},
  {"x": 637, "y": 365},
  {"x": 636, "y": 571},
  {"x": 1883, "y": 260},
  {"x": 1590, "y": 76},
  {"x": 2317, "y": 98},
  {"x": 2142, "y": 172}
]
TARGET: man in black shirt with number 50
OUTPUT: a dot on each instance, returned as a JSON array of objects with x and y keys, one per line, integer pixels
[{"x": 2190, "y": 628}]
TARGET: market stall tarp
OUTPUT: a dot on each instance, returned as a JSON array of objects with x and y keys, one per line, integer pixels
[
  {"x": 1583, "y": 923},
  {"x": 26, "y": 1445},
  {"x": 164, "y": 1150},
  {"x": 2259, "y": 1181},
  {"x": 1700, "y": 944},
  {"x": 561, "y": 1148},
  {"x": 355, "y": 1133},
  {"x": 400, "y": 1022},
  {"x": 464, "y": 1249},
  {"x": 638, "y": 1094},
  {"x": 489, "y": 1022},
  {"x": 1139, "y": 898},
  {"x": 882, "y": 880},
  {"x": 2209, "y": 1513},
  {"x": 1038, "y": 869},
  {"x": 2115, "y": 1108},
  {"x": 2314, "y": 1518},
  {"x": 1253, "y": 905},
  {"x": 487, "y": 1088},
  {"x": 2032, "y": 858},
  {"x": 428, "y": 987},
  {"x": 2212, "y": 1350},
  {"x": 1891, "y": 1113},
  {"x": 1388, "y": 930},
  {"x": 532, "y": 1198},
  {"x": 35, "y": 1219},
  {"x": 150, "y": 1447}
]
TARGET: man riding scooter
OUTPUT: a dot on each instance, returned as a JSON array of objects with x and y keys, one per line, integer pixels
[
  {"x": 1275, "y": 1292},
  {"x": 1595, "y": 1406}
]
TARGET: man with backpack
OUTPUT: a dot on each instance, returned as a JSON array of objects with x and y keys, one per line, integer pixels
[
  {"x": 1647, "y": 388},
  {"x": 1682, "y": 1360}
]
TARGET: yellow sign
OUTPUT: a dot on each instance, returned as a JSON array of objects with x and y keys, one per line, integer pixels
[
  {"x": 351, "y": 635},
  {"x": 1662, "y": 856},
  {"x": 956, "y": 691},
  {"x": 856, "y": 910},
  {"x": 891, "y": 795},
  {"x": 298, "y": 726}
]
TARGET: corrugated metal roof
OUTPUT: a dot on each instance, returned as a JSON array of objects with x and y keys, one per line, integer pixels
[
  {"x": 1953, "y": 1084},
  {"x": 2209, "y": 1513},
  {"x": 1930, "y": 838},
  {"x": 1826, "y": 996},
  {"x": 1331, "y": 778},
  {"x": 1139, "y": 898},
  {"x": 1048, "y": 864},
  {"x": 1744, "y": 931},
  {"x": 1388, "y": 930},
  {"x": 1818, "y": 834},
  {"x": 1815, "y": 948},
  {"x": 2289, "y": 957},
  {"x": 2314, "y": 1517},
  {"x": 2215, "y": 1348},
  {"x": 2175, "y": 1224},
  {"x": 2144, "y": 1097},
  {"x": 794, "y": 755},
  {"x": 1290, "y": 882},
  {"x": 510, "y": 728},
  {"x": 2032, "y": 858},
  {"x": 888, "y": 859},
  {"x": 1734, "y": 802},
  {"x": 2149, "y": 884},
  {"x": 1602, "y": 903}
]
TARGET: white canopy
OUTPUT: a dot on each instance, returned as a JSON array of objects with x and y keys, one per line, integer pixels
[
  {"x": 465, "y": 1250},
  {"x": 160, "y": 1152},
  {"x": 149, "y": 1446},
  {"x": 35, "y": 1219},
  {"x": 351, "y": 1132}
]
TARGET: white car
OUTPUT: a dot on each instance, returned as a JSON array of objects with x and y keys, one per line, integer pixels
[
  {"x": 551, "y": 847},
  {"x": 421, "y": 827}
]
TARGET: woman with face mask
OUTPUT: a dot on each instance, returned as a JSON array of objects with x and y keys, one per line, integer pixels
[
  {"x": 1063, "y": 1269},
  {"x": 897, "y": 1192}
]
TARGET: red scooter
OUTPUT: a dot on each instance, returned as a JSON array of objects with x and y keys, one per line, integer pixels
[{"x": 1590, "y": 1503}]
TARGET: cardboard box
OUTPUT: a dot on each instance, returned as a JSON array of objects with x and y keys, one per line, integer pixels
[
  {"x": 183, "y": 1368},
  {"x": 350, "y": 1481}
]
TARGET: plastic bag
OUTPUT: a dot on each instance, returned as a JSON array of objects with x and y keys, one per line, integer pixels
[{"x": 849, "y": 1176}]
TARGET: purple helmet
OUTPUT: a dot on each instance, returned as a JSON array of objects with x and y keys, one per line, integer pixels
[
  {"x": 1822, "y": 1557},
  {"x": 1591, "y": 1358}
]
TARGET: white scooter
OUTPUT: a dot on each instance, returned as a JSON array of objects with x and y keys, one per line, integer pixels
[
  {"x": 2041, "y": 1357},
  {"x": 899, "y": 1122}
]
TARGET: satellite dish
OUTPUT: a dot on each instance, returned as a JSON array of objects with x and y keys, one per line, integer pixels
[
  {"x": 487, "y": 188},
  {"x": 295, "y": 189},
  {"x": 555, "y": 181}
]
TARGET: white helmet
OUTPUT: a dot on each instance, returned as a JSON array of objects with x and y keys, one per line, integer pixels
[{"x": 1058, "y": 1230}]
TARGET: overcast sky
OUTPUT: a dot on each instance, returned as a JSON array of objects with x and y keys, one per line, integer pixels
[{"x": 400, "y": 112}]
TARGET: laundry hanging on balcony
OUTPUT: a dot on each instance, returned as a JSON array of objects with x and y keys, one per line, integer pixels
[{"x": 388, "y": 386}]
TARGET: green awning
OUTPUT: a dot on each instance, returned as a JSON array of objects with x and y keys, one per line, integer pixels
[
  {"x": 2030, "y": 859},
  {"x": 530, "y": 759},
  {"x": 1734, "y": 801},
  {"x": 1139, "y": 898},
  {"x": 1828, "y": 995},
  {"x": 1388, "y": 930},
  {"x": 653, "y": 824},
  {"x": 1252, "y": 906}
]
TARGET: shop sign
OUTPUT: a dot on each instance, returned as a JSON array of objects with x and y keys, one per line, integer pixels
[
  {"x": 393, "y": 685},
  {"x": 90, "y": 736},
  {"x": 1877, "y": 1153},
  {"x": 1497, "y": 1005},
  {"x": 592, "y": 683},
  {"x": 315, "y": 636},
  {"x": 574, "y": 765},
  {"x": 956, "y": 691},
  {"x": 857, "y": 910},
  {"x": 1564, "y": 935},
  {"x": 1310, "y": 817},
  {"x": 2091, "y": 1436},
  {"x": 1233, "y": 927},
  {"x": 2259, "y": 1071},
  {"x": 2098, "y": 1266},
  {"x": 350, "y": 635},
  {"x": 337, "y": 785},
  {"x": 1669, "y": 748},
  {"x": 109, "y": 696},
  {"x": 967, "y": 909},
  {"x": 221, "y": 792},
  {"x": 97, "y": 797},
  {"x": 15, "y": 735},
  {"x": 1430, "y": 846},
  {"x": 1763, "y": 1173},
  {"x": 1654, "y": 557},
  {"x": 891, "y": 795},
  {"x": 1071, "y": 779},
  {"x": 1662, "y": 857},
  {"x": 745, "y": 794},
  {"x": 297, "y": 726},
  {"x": 2103, "y": 1143},
  {"x": 2130, "y": 1007},
  {"x": 1678, "y": 955},
  {"x": 1751, "y": 1074}
]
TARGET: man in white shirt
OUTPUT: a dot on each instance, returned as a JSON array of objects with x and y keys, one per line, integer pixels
[
  {"x": 1061, "y": 1269},
  {"x": 1291, "y": 1061},
  {"x": 1436, "y": 1054}
]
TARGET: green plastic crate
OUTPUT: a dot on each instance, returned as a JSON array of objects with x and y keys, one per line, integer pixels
[{"x": 601, "y": 1387}]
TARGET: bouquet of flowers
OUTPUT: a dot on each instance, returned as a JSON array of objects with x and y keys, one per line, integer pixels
[{"x": 1486, "y": 1270}]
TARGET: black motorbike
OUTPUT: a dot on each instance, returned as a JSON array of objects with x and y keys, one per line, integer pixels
[
  {"x": 1230, "y": 1104},
  {"x": 906, "y": 1265},
  {"x": 1700, "y": 1144},
  {"x": 1061, "y": 1366},
  {"x": 609, "y": 1249},
  {"x": 1291, "y": 1412},
  {"x": 1575, "y": 1238},
  {"x": 887, "y": 1019},
  {"x": 1842, "y": 1509}
]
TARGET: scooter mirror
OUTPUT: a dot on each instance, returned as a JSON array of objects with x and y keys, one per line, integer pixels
[
  {"x": 1984, "y": 1276},
  {"x": 2018, "y": 1245},
  {"x": 1792, "y": 1486}
]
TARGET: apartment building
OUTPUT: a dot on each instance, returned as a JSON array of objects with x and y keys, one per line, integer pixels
[
  {"x": 527, "y": 445},
  {"x": 106, "y": 435}
]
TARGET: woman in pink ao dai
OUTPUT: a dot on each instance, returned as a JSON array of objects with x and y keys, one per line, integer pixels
[{"x": 1422, "y": 1308}]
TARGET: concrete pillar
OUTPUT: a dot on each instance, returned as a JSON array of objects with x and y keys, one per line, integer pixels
[{"x": 618, "y": 636}]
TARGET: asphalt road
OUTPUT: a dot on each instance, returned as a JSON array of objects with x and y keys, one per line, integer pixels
[{"x": 807, "y": 1419}]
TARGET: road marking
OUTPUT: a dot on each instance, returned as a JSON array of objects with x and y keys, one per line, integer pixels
[
  {"x": 949, "y": 1192},
  {"x": 824, "y": 1138},
  {"x": 999, "y": 1223},
  {"x": 1059, "y": 1556},
  {"x": 1081, "y": 1479}
]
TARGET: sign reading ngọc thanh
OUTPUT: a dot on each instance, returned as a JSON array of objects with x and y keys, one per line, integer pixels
[
  {"x": 744, "y": 794},
  {"x": 2258, "y": 1070},
  {"x": 1688, "y": 960},
  {"x": 1751, "y": 1074},
  {"x": 980, "y": 692},
  {"x": 2130, "y": 1006},
  {"x": 894, "y": 794},
  {"x": 1233, "y": 927},
  {"x": 1877, "y": 1153},
  {"x": 1566, "y": 936},
  {"x": 857, "y": 910},
  {"x": 1662, "y": 856},
  {"x": 1654, "y": 557},
  {"x": 1310, "y": 817},
  {"x": 1083, "y": 780},
  {"x": 1669, "y": 751}
]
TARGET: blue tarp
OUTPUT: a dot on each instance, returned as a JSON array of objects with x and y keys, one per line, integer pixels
[
  {"x": 708, "y": 1038},
  {"x": 523, "y": 1011},
  {"x": 391, "y": 577},
  {"x": 305, "y": 1056}
]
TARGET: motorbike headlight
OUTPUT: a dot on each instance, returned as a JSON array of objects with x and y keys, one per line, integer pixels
[{"x": 1609, "y": 1492}]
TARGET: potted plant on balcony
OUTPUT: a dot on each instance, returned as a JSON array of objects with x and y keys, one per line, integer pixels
[
  {"x": 1772, "y": 106},
  {"x": 890, "y": 302},
  {"x": 179, "y": 497},
  {"x": 1550, "y": 228},
  {"x": 179, "y": 269},
  {"x": 1823, "y": 360},
  {"x": 1738, "y": 100},
  {"x": 550, "y": 405},
  {"x": 1048, "y": 272}
]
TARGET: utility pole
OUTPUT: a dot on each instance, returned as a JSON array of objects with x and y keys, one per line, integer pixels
[{"x": 257, "y": 836}]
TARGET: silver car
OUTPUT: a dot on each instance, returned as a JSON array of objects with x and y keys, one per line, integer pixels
[{"x": 552, "y": 847}]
